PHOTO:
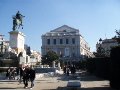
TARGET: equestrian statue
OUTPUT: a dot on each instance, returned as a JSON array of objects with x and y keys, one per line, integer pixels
[{"x": 17, "y": 21}]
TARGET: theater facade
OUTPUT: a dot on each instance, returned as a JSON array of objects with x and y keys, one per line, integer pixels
[{"x": 67, "y": 42}]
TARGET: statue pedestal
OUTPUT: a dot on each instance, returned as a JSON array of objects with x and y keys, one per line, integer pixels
[
  {"x": 53, "y": 64},
  {"x": 17, "y": 40}
]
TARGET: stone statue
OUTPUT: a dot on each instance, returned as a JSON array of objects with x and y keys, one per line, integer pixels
[{"x": 17, "y": 21}]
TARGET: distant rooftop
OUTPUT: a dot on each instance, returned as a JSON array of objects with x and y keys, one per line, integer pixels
[{"x": 109, "y": 41}]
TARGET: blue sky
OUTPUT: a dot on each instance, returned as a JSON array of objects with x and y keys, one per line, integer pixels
[{"x": 94, "y": 18}]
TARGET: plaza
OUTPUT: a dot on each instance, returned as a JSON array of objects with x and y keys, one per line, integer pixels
[
  {"x": 70, "y": 45},
  {"x": 59, "y": 82}
]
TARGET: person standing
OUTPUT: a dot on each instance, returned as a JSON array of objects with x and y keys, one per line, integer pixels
[{"x": 32, "y": 76}]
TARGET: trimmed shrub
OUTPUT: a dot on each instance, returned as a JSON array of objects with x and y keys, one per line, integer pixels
[
  {"x": 102, "y": 67},
  {"x": 115, "y": 68},
  {"x": 90, "y": 65},
  {"x": 99, "y": 67}
]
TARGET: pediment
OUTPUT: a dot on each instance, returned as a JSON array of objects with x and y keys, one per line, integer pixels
[{"x": 65, "y": 28}]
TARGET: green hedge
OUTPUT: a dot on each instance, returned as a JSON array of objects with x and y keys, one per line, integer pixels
[
  {"x": 99, "y": 66},
  {"x": 90, "y": 66},
  {"x": 115, "y": 68},
  {"x": 107, "y": 68}
]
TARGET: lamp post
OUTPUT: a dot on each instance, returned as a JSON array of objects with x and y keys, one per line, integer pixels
[
  {"x": 100, "y": 41},
  {"x": 100, "y": 47}
]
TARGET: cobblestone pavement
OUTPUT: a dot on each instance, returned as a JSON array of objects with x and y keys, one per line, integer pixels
[{"x": 59, "y": 82}]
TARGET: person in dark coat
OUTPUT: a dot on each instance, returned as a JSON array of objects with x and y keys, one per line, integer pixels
[
  {"x": 8, "y": 73},
  {"x": 64, "y": 69},
  {"x": 26, "y": 76},
  {"x": 72, "y": 69},
  {"x": 21, "y": 69},
  {"x": 13, "y": 73},
  {"x": 68, "y": 71},
  {"x": 32, "y": 76},
  {"x": 17, "y": 71}
]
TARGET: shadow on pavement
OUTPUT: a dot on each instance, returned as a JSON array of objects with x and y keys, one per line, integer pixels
[
  {"x": 75, "y": 88},
  {"x": 7, "y": 88},
  {"x": 48, "y": 89},
  {"x": 90, "y": 78},
  {"x": 67, "y": 78},
  {"x": 84, "y": 76},
  {"x": 8, "y": 81},
  {"x": 16, "y": 88}
]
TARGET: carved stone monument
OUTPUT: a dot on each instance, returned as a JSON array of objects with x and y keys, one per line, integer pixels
[
  {"x": 17, "y": 41},
  {"x": 17, "y": 38},
  {"x": 17, "y": 21}
]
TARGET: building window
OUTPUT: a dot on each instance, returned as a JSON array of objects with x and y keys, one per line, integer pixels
[
  {"x": 61, "y": 41},
  {"x": 67, "y": 41},
  {"x": 48, "y": 41},
  {"x": 73, "y": 40},
  {"x": 54, "y": 41}
]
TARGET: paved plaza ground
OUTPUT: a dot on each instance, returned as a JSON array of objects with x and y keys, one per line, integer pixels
[{"x": 59, "y": 82}]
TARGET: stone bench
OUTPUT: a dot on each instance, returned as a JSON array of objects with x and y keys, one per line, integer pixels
[{"x": 74, "y": 83}]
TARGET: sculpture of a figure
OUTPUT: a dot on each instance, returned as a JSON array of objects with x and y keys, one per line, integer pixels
[
  {"x": 17, "y": 21},
  {"x": 14, "y": 24}
]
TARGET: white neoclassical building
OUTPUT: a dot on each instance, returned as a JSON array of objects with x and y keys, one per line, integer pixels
[{"x": 66, "y": 42}]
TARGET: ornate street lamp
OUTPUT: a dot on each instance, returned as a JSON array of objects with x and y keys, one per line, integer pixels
[
  {"x": 100, "y": 41},
  {"x": 100, "y": 48}
]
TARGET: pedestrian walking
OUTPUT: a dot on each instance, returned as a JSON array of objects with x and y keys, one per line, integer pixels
[
  {"x": 72, "y": 69},
  {"x": 26, "y": 76},
  {"x": 20, "y": 73},
  {"x": 8, "y": 73},
  {"x": 64, "y": 69},
  {"x": 13, "y": 73},
  {"x": 68, "y": 71},
  {"x": 32, "y": 76}
]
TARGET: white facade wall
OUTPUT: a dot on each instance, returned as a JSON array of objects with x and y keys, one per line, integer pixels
[{"x": 70, "y": 50}]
